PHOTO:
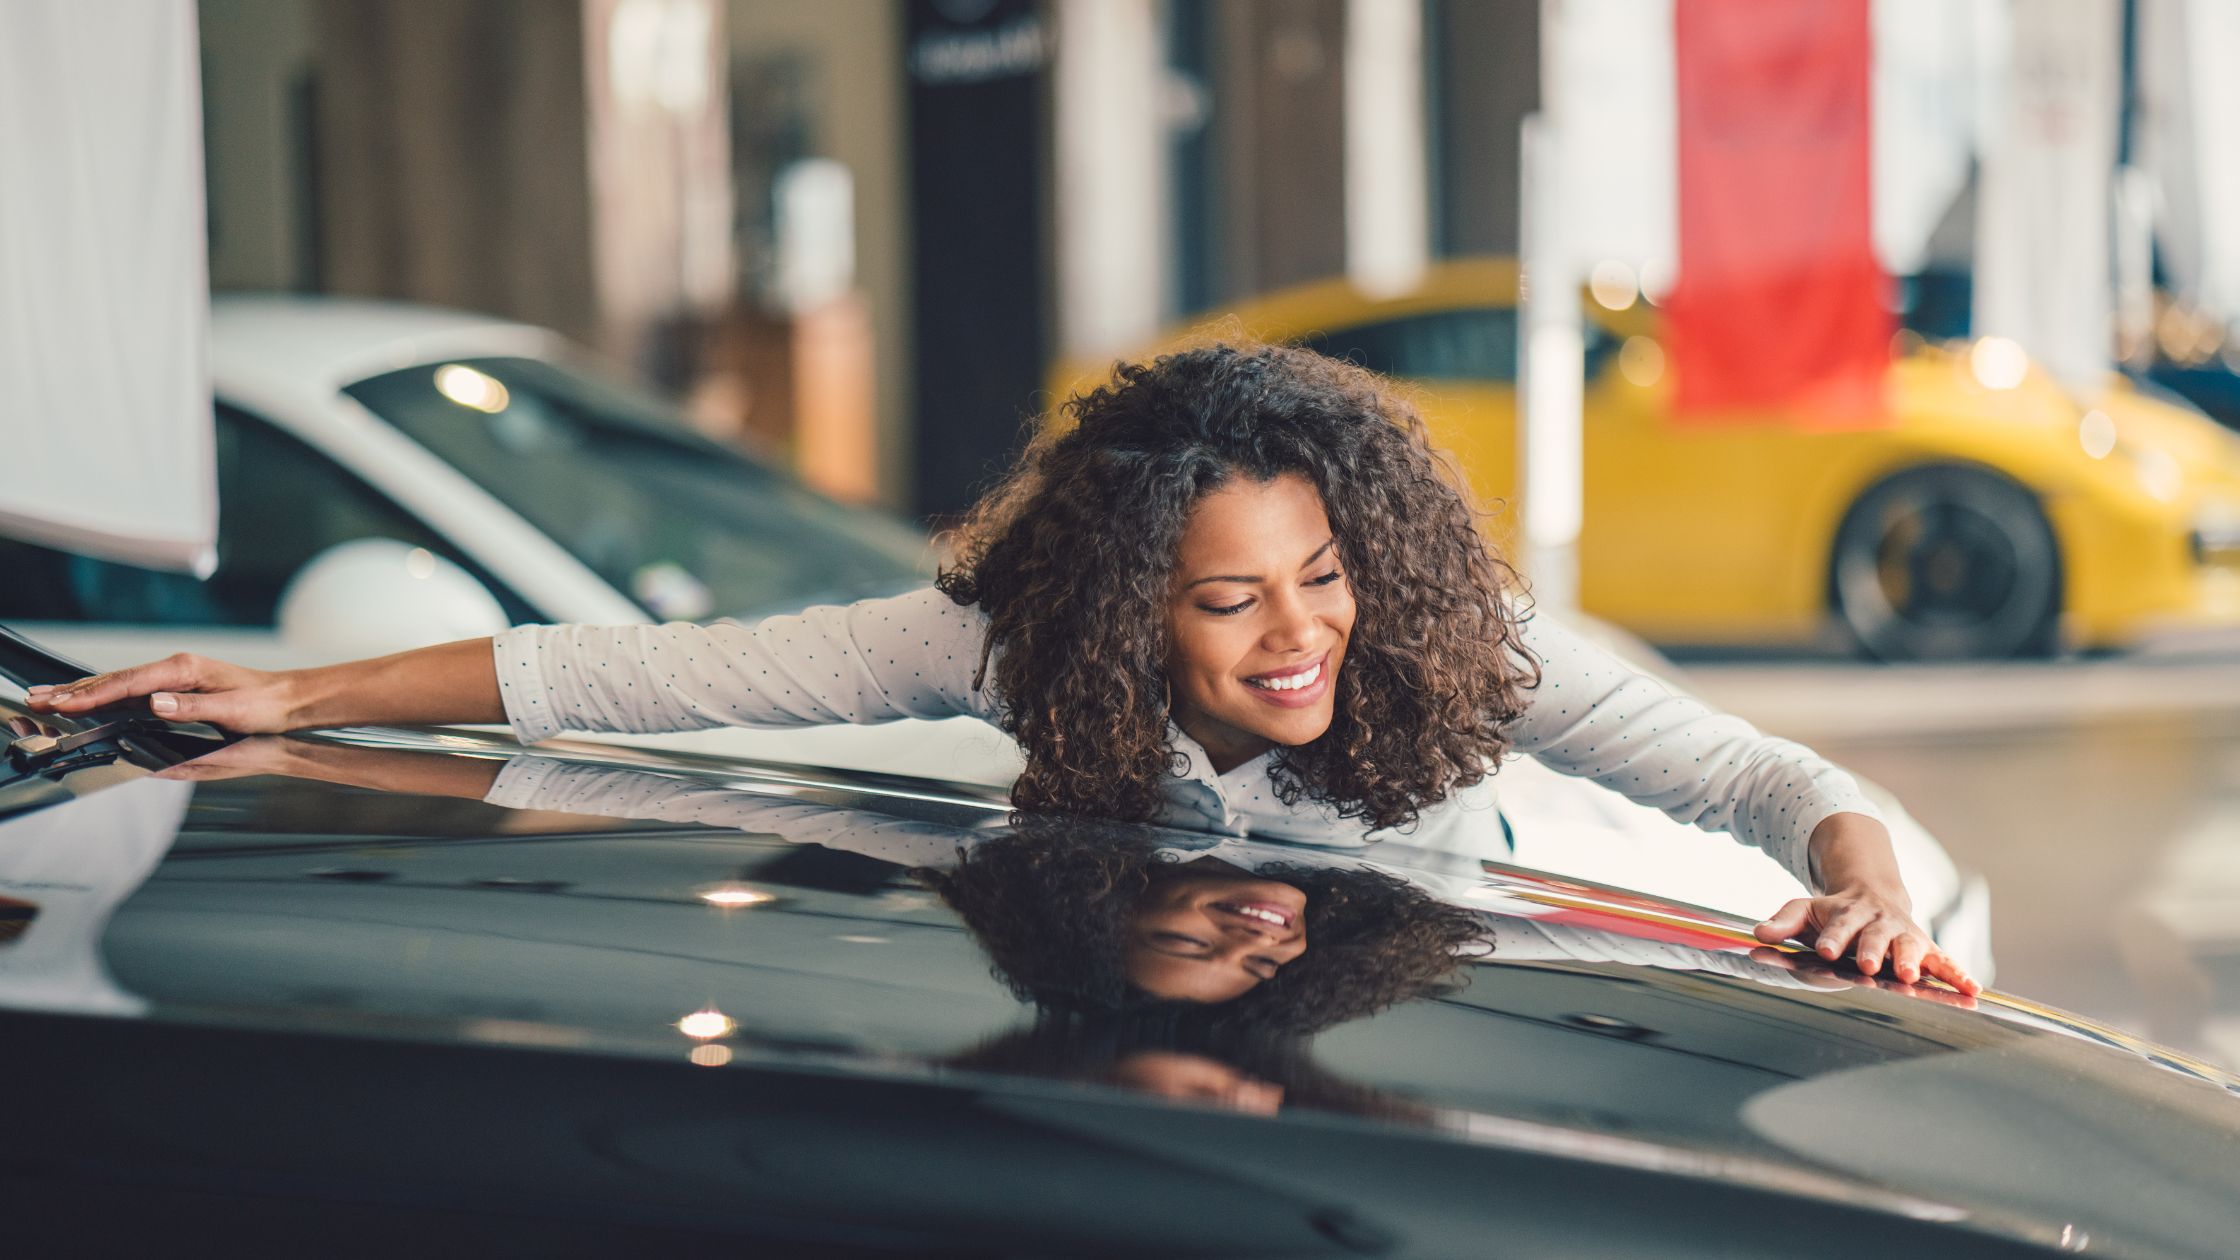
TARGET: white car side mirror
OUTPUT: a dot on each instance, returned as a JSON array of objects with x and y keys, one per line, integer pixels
[{"x": 375, "y": 596}]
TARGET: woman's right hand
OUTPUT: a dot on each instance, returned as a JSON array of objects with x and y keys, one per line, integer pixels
[{"x": 185, "y": 688}]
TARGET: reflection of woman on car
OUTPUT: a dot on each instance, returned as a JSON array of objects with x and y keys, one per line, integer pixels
[
  {"x": 1240, "y": 593},
  {"x": 1099, "y": 921}
]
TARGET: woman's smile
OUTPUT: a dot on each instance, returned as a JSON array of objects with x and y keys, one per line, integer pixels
[
  {"x": 1208, "y": 932},
  {"x": 1296, "y": 687},
  {"x": 1257, "y": 912}
]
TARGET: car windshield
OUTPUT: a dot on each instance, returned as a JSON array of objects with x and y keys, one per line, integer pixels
[{"x": 686, "y": 527}]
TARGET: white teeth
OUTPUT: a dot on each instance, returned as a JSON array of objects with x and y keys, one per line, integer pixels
[
  {"x": 1265, "y": 916},
  {"x": 1291, "y": 683}
]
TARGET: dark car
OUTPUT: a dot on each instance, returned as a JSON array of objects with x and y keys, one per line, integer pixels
[{"x": 426, "y": 993}]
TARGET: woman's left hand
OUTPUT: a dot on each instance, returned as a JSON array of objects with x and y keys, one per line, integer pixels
[{"x": 1873, "y": 926}]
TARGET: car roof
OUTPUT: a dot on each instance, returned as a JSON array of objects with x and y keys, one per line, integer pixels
[
  {"x": 586, "y": 915},
  {"x": 319, "y": 344},
  {"x": 1335, "y": 304}
]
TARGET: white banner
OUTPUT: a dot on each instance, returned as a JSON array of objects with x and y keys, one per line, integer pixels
[
  {"x": 1607, "y": 73},
  {"x": 1606, "y": 80},
  {"x": 2188, "y": 92},
  {"x": 1924, "y": 132},
  {"x": 1388, "y": 212},
  {"x": 1112, "y": 175},
  {"x": 105, "y": 426},
  {"x": 2043, "y": 214}
]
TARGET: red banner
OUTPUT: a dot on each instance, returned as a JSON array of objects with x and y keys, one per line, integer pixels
[{"x": 1779, "y": 304}]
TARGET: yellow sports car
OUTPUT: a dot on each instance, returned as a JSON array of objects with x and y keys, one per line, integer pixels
[{"x": 1994, "y": 515}]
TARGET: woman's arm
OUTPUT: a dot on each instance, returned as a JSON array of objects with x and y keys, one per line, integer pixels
[
  {"x": 877, "y": 660},
  {"x": 1596, "y": 716},
  {"x": 911, "y": 656},
  {"x": 450, "y": 683}
]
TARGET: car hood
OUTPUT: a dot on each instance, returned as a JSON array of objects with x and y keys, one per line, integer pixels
[{"x": 765, "y": 919}]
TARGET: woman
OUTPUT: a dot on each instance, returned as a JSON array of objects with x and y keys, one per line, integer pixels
[{"x": 1241, "y": 593}]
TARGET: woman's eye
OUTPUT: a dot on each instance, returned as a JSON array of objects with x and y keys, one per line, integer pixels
[
  {"x": 1177, "y": 938},
  {"x": 1226, "y": 610},
  {"x": 1326, "y": 579}
]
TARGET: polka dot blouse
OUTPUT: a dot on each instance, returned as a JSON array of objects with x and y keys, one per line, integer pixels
[{"x": 914, "y": 655}]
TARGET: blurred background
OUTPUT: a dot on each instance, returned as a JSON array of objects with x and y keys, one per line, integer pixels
[{"x": 1873, "y": 359}]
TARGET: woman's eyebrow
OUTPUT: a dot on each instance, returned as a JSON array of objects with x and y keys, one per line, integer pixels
[{"x": 1327, "y": 544}]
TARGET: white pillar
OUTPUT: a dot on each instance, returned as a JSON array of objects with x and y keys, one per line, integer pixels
[
  {"x": 1111, "y": 175},
  {"x": 2134, "y": 265},
  {"x": 1388, "y": 216},
  {"x": 1924, "y": 66},
  {"x": 2042, "y": 223},
  {"x": 1551, "y": 367},
  {"x": 659, "y": 131},
  {"x": 2186, "y": 51},
  {"x": 1598, "y": 186}
]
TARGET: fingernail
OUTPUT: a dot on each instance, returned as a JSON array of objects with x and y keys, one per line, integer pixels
[
  {"x": 42, "y": 688},
  {"x": 162, "y": 703}
]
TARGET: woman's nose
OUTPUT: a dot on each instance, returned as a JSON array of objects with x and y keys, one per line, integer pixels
[{"x": 1290, "y": 624}]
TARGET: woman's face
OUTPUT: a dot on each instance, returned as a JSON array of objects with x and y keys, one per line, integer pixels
[
  {"x": 1257, "y": 619},
  {"x": 1211, "y": 933}
]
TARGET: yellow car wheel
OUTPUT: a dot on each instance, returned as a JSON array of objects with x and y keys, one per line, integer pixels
[{"x": 1947, "y": 562}]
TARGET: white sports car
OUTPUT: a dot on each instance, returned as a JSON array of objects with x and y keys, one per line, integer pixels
[{"x": 392, "y": 475}]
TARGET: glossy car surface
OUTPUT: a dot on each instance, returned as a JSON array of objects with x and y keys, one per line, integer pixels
[
  {"x": 1992, "y": 514},
  {"x": 707, "y": 1003}
]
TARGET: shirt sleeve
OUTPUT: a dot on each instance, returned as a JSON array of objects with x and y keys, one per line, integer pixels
[
  {"x": 879, "y": 660},
  {"x": 1597, "y": 717}
]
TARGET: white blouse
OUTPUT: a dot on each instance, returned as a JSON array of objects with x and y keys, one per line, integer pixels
[{"x": 914, "y": 655}]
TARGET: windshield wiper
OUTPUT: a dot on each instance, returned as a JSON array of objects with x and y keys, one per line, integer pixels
[
  {"x": 108, "y": 736},
  {"x": 101, "y": 726}
]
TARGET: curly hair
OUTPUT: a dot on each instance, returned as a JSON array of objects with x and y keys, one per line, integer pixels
[
  {"x": 1052, "y": 902},
  {"x": 1072, "y": 555}
]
